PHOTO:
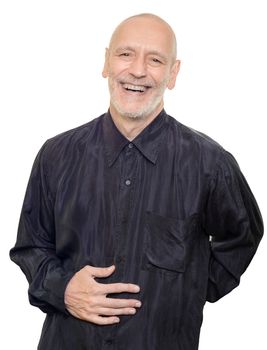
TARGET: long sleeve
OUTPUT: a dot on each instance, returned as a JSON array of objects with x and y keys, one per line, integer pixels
[
  {"x": 35, "y": 248},
  {"x": 234, "y": 223}
]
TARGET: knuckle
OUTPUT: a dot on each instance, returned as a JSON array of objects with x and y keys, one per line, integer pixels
[
  {"x": 87, "y": 268},
  {"x": 121, "y": 303},
  {"x": 103, "y": 320},
  {"x": 91, "y": 302},
  {"x": 130, "y": 311},
  {"x": 106, "y": 312},
  {"x": 129, "y": 287},
  {"x": 130, "y": 303},
  {"x": 91, "y": 291},
  {"x": 95, "y": 289},
  {"x": 119, "y": 287},
  {"x": 115, "y": 288},
  {"x": 95, "y": 320}
]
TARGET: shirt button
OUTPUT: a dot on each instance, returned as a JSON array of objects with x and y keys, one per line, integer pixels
[
  {"x": 128, "y": 182},
  {"x": 130, "y": 145},
  {"x": 121, "y": 259},
  {"x": 109, "y": 341}
]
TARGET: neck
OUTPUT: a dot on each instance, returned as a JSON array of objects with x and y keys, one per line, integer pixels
[{"x": 131, "y": 127}]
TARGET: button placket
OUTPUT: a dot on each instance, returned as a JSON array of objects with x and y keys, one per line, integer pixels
[
  {"x": 128, "y": 163},
  {"x": 129, "y": 153}
]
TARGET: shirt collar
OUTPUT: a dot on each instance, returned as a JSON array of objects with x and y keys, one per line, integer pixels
[{"x": 147, "y": 142}]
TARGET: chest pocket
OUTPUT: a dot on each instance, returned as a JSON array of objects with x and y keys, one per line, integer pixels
[{"x": 167, "y": 243}]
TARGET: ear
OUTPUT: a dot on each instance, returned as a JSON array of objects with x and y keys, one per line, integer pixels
[
  {"x": 105, "y": 68},
  {"x": 174, "y": 72}
]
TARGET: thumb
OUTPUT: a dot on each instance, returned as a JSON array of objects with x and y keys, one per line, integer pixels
[{"x": 101, "y": 271}]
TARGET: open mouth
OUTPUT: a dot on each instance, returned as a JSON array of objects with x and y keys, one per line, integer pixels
[{"x": 135, "y": 88}]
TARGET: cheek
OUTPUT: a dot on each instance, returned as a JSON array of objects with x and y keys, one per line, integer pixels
[
  {"x": 118, "y": 68},
  {"x": 160, "y": 76}
]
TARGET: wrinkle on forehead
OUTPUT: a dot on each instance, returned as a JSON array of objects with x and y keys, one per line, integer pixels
[{"x": 148, "y": 19}]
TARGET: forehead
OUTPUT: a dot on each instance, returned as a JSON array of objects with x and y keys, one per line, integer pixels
[{"x": 143, "y": 33}]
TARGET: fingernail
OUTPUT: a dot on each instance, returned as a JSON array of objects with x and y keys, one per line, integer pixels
[
  {"x": 132, "y": 311},
  {"x": 117, "y": 320},
  {"x": 137, "y": 289},
  {"x": 138, "y": 304}
]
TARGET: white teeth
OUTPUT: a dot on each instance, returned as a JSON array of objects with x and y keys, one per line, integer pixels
[{"x": 134, "y": 87}]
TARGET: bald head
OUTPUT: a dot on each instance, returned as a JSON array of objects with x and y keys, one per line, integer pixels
[{"x": 146, "y": 20}]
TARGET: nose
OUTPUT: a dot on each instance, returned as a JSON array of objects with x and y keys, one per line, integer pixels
[{"x": 138, "y": 67}]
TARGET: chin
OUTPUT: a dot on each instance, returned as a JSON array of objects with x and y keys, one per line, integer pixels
[{"x": 136, "y": 113}]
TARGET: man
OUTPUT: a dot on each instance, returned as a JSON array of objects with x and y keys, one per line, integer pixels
[{"x": 133, "y": 221}]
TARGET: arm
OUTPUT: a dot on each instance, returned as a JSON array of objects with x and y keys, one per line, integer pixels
[
  {"x": 53, "y": 284},
  {"x": 35, "y": 250},
  {"x": 234, "y": 222}
]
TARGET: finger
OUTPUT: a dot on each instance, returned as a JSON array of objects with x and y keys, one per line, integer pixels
[
  {"x": 116, "y": 312},
  {"x": 120, "y": 303},
  {"x": 100, "y": 272},
  {"x": 94, "y": 318},
  {"x": 120, "y": 288},
  {"x": 100, "y": 320}
]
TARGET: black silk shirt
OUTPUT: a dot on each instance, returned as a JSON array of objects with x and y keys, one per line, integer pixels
[{"x": 171, "y": 210}]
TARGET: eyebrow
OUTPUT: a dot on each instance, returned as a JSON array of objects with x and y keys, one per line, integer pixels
[{"x": 152, "y": 52}]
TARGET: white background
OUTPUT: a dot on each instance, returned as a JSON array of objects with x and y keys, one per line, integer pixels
[{"x": 50, "y": 81}]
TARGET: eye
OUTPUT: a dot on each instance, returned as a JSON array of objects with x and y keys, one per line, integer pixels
[
  {"x": 154, "y": 61},
  {"x": 125, "y": 56}
]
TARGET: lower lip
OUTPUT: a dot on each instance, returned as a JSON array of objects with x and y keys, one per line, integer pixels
[{"x": 134, "y": 93}]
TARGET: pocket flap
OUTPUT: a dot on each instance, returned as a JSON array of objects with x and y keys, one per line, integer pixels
[{"x": 166, "y": 242}]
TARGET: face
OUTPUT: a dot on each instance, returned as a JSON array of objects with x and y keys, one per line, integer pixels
[{"x": 140, "y": 64}]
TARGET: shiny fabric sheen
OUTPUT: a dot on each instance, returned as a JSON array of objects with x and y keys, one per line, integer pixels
[{"x": 171, "y": 210}]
